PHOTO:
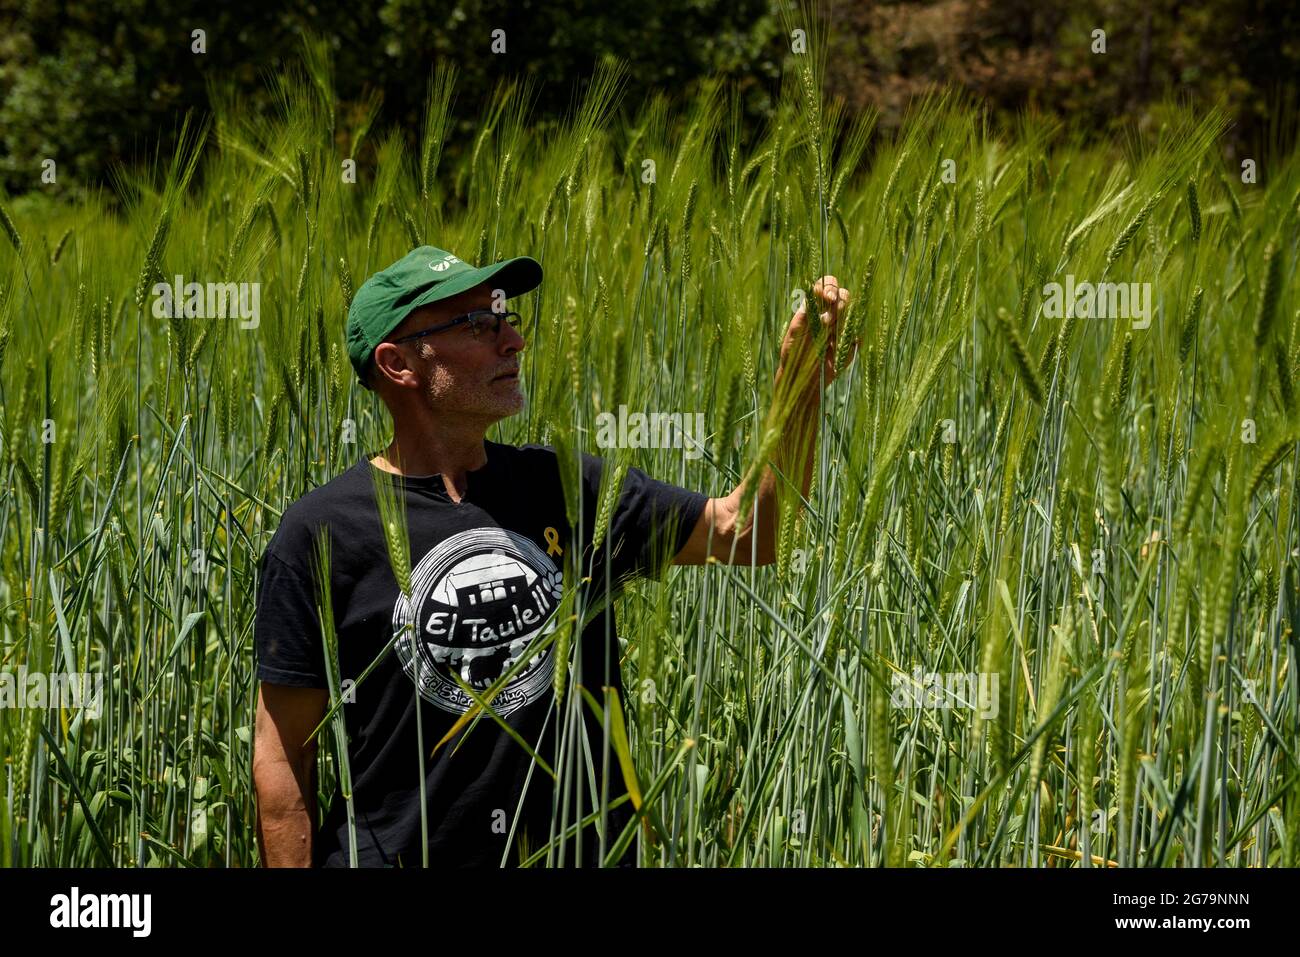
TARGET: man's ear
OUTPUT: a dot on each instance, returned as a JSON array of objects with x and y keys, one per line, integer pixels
[{"x": 384, "y": 360}]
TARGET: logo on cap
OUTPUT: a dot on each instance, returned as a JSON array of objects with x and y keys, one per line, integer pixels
[{"x": 438, "y": 265}]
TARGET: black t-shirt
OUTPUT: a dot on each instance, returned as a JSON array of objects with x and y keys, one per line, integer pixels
[{"x": 487, "y": 577}]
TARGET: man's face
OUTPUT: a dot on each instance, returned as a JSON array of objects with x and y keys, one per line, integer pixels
[{"x": 461, "y": 373}]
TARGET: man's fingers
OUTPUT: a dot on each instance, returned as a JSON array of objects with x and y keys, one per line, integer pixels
[
  {"x": 834, "y": 310},
  {"x": 833, "y": 296},
  {"x": 828, "y": 287},
  {"x": 825, "y": 284}
]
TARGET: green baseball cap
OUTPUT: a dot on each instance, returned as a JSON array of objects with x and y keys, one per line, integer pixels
[{"x": 426, "y": 274}]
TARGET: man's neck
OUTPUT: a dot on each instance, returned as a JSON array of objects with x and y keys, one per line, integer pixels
[{"x": 452, "y": 455}]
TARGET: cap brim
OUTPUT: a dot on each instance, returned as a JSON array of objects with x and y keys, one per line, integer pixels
[{"x": 514, "y": 277}]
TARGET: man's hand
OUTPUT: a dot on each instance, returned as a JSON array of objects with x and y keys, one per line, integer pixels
[{"x": 801, "y": 336}]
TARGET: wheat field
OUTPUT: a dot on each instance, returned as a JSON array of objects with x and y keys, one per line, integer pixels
[{"x": 1091, "y": 518}]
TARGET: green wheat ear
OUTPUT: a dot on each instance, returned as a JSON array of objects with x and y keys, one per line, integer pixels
[
  {"x": 6, "y": 330},
  {"x": 152, "y": 257},
  {"x": 611, "y": 484},
  {"x": 10, "y": 230},
  {"x": 1187, "y": 334},
  {"x": 1269, "y": 291},
  {"x": 390, "y": 501},
  {"x": 1053, "y": 680},
  {"x": 567, "y": 624},
  {"x": 1027, "y": 371}
]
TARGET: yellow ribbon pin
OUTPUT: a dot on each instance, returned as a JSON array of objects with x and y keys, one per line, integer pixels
[{"x": 552, "y": 541}]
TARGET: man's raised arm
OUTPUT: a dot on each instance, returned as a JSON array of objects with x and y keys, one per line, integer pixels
[{"x": 722, "y": 532}]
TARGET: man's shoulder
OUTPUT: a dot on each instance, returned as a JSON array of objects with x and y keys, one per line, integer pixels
[
  {"x": 342, "y": 488},
  {"x": 324, "y": 505},
  {"x": 535, "y": 460},
  {"x": 534, "y": 451},
  {"x": 532, "y": 460}
]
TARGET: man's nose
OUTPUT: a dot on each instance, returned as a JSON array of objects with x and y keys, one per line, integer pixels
[{"x": 510, "y": 340}]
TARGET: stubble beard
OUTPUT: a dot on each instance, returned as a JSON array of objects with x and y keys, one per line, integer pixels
[{"x": 448, "y": 396}]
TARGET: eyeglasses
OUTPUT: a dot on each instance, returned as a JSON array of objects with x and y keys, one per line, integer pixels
[{"x": 479, "y": 320}]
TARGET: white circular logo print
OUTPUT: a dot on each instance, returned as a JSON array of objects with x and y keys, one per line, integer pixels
[
  {"x": 438, "y": 265},
  {"x": 479, "y": 599}
]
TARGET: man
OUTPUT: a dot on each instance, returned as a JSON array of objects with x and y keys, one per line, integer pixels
[{"x": 488, "y": 536}]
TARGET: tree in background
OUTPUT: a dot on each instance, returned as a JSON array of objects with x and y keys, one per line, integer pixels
[
  {"x": 96, "y": 85},
  {"x": 1016, "y": 54}
]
